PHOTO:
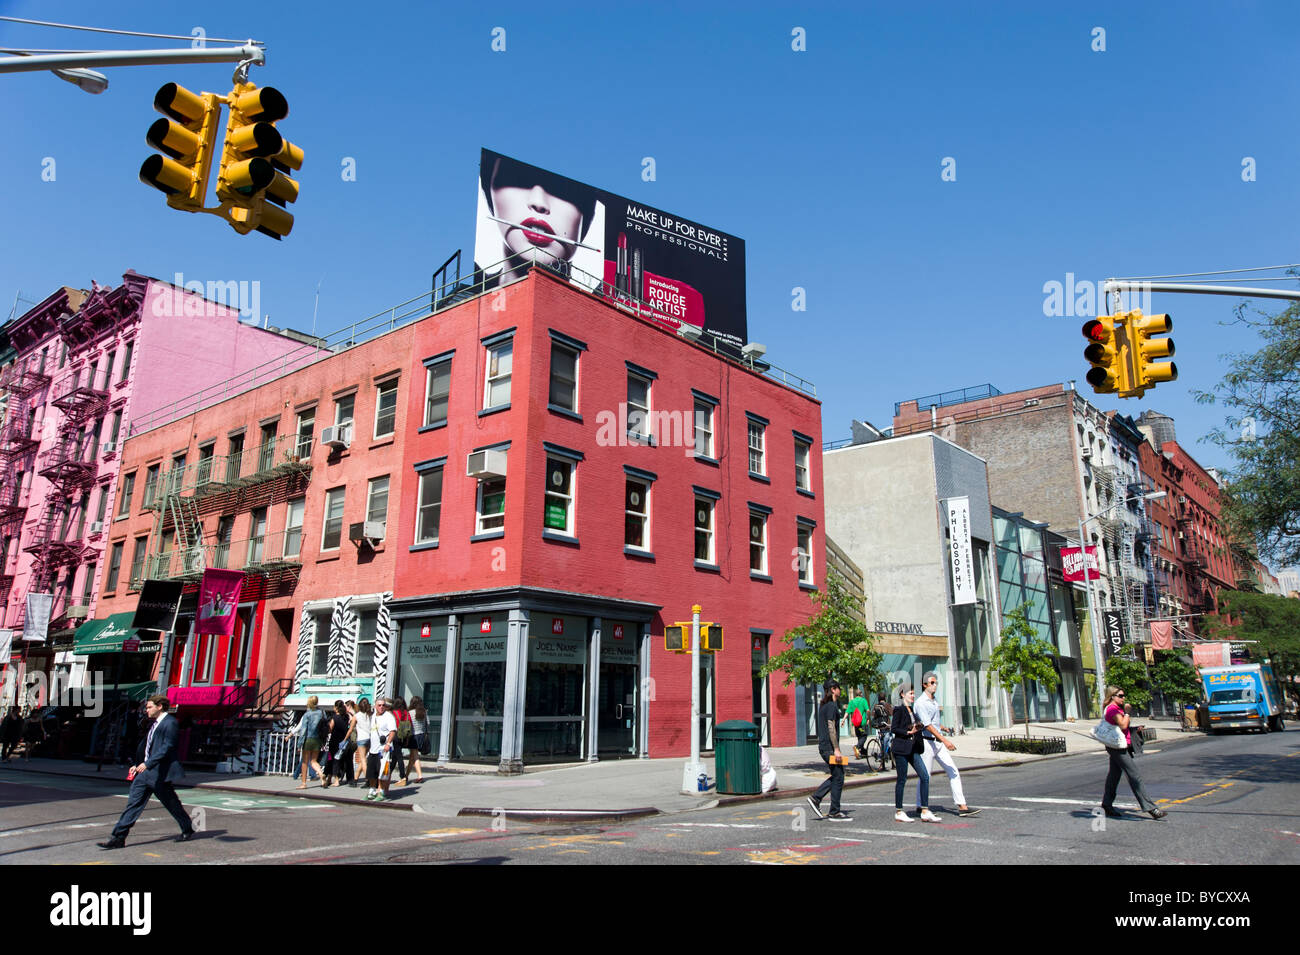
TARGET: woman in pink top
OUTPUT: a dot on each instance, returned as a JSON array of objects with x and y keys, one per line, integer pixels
[{"x": 1121, "y": 760}]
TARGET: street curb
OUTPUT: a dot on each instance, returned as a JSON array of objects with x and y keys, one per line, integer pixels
[{"x": 564, "y": 815}]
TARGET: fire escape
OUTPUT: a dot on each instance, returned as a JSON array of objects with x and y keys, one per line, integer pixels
[{"x": 70, "y": 467}]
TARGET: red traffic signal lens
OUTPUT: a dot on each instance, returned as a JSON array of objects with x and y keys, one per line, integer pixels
[{"x": 1096, "y": 331}]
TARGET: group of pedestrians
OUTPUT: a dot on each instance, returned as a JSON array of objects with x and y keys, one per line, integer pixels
[
  {"x": 361, "y": 742},
  {"x": 916, "y": 739}
]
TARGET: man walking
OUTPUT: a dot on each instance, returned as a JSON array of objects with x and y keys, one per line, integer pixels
[
  {"x": 828, "y": 745},
  {"x": 383, "y": 735},
  {"x": 859, "y": 717},
  {"x": 937, "y": 746},
  {"x": 157, "y": 771}
]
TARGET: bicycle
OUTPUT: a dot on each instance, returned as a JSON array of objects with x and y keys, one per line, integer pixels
[{"x": 878, "y": 753}]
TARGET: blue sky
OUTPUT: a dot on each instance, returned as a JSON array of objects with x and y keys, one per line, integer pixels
[{"x": 826, "y": 162}]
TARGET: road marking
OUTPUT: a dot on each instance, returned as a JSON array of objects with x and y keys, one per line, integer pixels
[
  {"x": 289, "y": 853},
  {"x": 1069, "y": 802},
  {"x": 890, "y": 805},
  {"x": 76, "y": 825},
  {"x": 717, "y": 825}
]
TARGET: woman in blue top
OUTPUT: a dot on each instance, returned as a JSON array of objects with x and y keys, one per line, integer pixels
[{"x": 308, "y": 733}]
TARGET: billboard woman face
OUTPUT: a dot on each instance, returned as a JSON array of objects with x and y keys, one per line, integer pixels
[{"x": 536, "y": 215}]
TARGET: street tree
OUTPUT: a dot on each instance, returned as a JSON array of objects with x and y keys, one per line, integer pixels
[
  {"x": 1261, "y": 393},
  {"x": 1270, "y": 621},
  {"x": 833, "y": 643},
  {"x": 1130, "y": 676},
  {"x": 1176, "y": 680},
  {"x": 1021, "y": 657}
]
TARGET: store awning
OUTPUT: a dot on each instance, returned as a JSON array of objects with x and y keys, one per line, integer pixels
[
  {"x": 136, "y": 692},
  {"x": 114, "y": 634}
]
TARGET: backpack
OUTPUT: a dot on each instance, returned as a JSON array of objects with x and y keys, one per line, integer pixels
[{"x": 856, "y": 718}]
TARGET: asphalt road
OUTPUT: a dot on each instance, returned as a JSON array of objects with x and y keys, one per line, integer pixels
[{"x": 1231, "y": 800}]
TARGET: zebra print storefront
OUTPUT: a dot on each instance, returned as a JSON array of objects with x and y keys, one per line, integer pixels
[{"x": 331, "y": 649}]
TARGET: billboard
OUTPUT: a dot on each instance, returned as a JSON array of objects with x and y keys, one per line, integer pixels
[{"x": 607, "y": 244}]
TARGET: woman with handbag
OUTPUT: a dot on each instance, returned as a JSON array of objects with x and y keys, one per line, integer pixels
[
  {"x": 419, "y": 736},
  {"x": 908, "y": 747},
  {"x": 1119, "y": 747},
  {"x": 308, "y": 733},
  {"x": 338, "y": 762},
  {"x": 397, "y": 706},
  {"x": 361, "y": 717}
]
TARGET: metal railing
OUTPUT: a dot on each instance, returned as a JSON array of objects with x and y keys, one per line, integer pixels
[
  {"x": 269, "y": 460},
  {"x": 945, "y": 398},
  {"x": 263, "y": 554},
  {"x": 424, "y": 305},
  {"x": 275, "y": 754}
]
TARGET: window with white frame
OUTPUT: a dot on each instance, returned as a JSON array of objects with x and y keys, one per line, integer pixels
[
  {"x": 343, "y": 409},
  {"x": 564, "y": 377},
  {"x": 757, "y": 454},
  {"x": 428, "y": 506},
  {"x": 257, "y": 535},
  {"x": 293, "y": 527},
  {"x": 636, "y": 510},
  {"x": 496, "y": 384},
  {"x": 757, "y": 542},
  {"x": 638, "y": 406},
  {"x": 559, "y": 496},
  {"x": 704, "y": 428},
  {"x": 306, "y": 433},
  {"x": 377, "y": 502},
  {"x": 367, "y": 627},
  {"x": 332, "y": 529},
  {"x": 804, "y": 553},
  {"x": 437, "y": 390},
  {"x": 320, "y": 645},
  {"x": 491, "y": 505},
  {"x": 802, "y": 451},
  {"x": 386, "y": 409},
  {"x": 704, "y": 549}
]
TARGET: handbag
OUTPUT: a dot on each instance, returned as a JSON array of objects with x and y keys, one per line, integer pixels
[{"x": 1108, "y": 733}]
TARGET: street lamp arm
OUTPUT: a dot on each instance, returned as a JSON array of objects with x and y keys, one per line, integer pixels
[{"x": 227, "y": 54}]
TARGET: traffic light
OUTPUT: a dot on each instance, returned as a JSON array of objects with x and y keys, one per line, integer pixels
[
  {"x": 1108, "y": 373},
  {"x": 677, "y": 638},
  {"x": 1146, "y": 372},
  {"x": 186, "y": 139},
  {"x": 711, "y": 637},
  {"x": 253, "y": 181}
]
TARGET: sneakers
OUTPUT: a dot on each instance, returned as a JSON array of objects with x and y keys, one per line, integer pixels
[
  {"x": 1158, "y": 814},
  {"x": 372, "y": 794},
  {"x": 380, "y": 797},
  {"x": 185, "y": 836},
  {"x": 968, "y": 811},
  {"x": 928, "y": 816},
  {"x": 902, "y": 816},
  {"x": 839, "y": 816},
  {"x": 816, "y": 808}
]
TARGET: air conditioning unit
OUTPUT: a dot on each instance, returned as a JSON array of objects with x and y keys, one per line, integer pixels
[
  {"x": 1182, "y": 499},
  {"x": 367, "y": 532},
  {"x": 96, "y": 527},
  {"x": 338, "y": 435},
  {"x": 483, "y": 465},
  {"x": 108, "y": 447},
  {"x": 1087, "y": 455}
]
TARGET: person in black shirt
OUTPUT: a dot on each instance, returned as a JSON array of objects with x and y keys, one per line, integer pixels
[{"x": 828, "y": 745}]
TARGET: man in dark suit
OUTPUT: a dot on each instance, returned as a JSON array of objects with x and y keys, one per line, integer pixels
[{"x": 158, "y": 769}]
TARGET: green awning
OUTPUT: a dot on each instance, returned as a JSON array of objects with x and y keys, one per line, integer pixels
[
  {"x": 108, "y": 635},
  {"x": 136, "y": 692}
]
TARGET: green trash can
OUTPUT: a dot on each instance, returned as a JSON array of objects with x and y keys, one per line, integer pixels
[{"x": 735, "y": 758}]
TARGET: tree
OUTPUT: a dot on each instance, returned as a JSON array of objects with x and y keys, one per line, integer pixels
[
  {"x": 1176, "y": 680},
  {"x": 834, "y": 644},
  {"x": 1261, "y": 500},
  {"x": 1272, "y": 622},
  {"x": 1131, "y": 677},
  {"x": 1020, "y": 657}
]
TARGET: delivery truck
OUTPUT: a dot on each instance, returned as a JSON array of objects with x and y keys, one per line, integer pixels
[{"x": 1244, "y": 696}]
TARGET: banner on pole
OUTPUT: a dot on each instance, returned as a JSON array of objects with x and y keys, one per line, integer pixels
[
  {"x": 1162, "y": 635},
  {"x": 218, "y": 601},
  {"x": 963, "y": 564},
  {"x": 1072, "y": 562},
  {"x": 36, "y": 622}
]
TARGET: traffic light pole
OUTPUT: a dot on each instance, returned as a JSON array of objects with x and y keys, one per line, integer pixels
[
  {"x": 1120, "y": 285},
  {"x": 249, "y": 52},
  {"x": 691, "y": 771}
]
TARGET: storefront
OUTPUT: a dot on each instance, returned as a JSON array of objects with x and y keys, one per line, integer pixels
[
  {"x": 540, "y": 681},
  {"x": 117, "y": 654},
  {"x": 343, "y": 650}
]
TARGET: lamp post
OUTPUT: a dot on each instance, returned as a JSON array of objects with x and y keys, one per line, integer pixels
[{"x": 1087, "y": 579}]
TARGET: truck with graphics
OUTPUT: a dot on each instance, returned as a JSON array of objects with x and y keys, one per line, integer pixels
[{"x": 1243, "y": 696}]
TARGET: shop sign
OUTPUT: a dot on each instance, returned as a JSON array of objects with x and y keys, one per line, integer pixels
[
  {"x": 557, "y": 625},
  {"x": 424, "y": 632},
  {"x": 1112, "y": 623},
  {"x": 888, "y": 626},
  {"x": 963, "y": 566},
  {"x": 485, "y": 625},
  {"x": 553, "y": 650},
  {"x": 433, "y": 650},
  {"x": 618, "y": 631},
  {"x": 480, "y": 649},
  {"x": 131, "y": 645}
]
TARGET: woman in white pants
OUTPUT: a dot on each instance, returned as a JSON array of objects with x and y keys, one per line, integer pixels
[{"x": 937, "y": 746}]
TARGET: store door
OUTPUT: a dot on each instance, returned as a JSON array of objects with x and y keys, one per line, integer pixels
[
  {"x": 618, "y": 710},
  {"x": 758, "y": 657}
]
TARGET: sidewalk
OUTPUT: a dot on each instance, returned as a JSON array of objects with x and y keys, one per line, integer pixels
[{"x": 610, "y": 790}]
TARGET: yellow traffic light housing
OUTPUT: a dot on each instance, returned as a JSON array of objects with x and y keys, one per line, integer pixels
[
  {"x": 677, "y": 638},
  {"x": 1148, "y": 373},
  {"x": 1108, "y": 374},
  {"x": 253, "y": 183},
  {"x": 711, "y": 637},
  {"x": 185, "y": 139}
]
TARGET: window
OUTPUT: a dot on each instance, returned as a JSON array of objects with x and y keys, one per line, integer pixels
[
  {"x": 638, "y": 407},
  {"x": 114, "y": 566},
  {"x": 83, "y": 508},
  {"x": 757, "y": 543},
  {"x": 491, "y": 505},
  {"x": 88, "y": 583},
  {"x": 367, "y": 627},
  {"x": 377, "y": 502},
  {"x": 126, "y": 361},
  {"x": 564, "y": 377},
  {"x": 206, "y": 458},
  {"x": 256, "y": 536},
  {"x": 802, "y": 449},
  {"x": 496, "y": 390},
  {"x": 293, "y": 527},
  {"x": 306, "y": 433},
  {"x": 804, "y": 551},
  {"x": 101, "y": 509},
  {"x": 704, "y": 529},
  {"x": 757, "y": 455},
  {"x": 320, "y": 645},
  {"x": 124, "y": 494},
  {"x": 115, "y": 429},
  {"x": 176, "y": 476},
  {"x": 266, "y": 453},
  {"x": 636, "y": 510},
  {"x": 703, "y": 428},
  {"x": 225, "y": 532},
  {"x": 343, "y": 408},
  {"x": 437, "y": 389},
  {"x": 386, "y": 410},
  {"x": 151, "y": 484},
  {"x": 137, "y": 561},
  {"x": 332, "y": 533},
  {"x": 559, "y": 496},
  {"x": 108, "y": 371},
  {"x": 235, "y": 457},
  {"x": 428, "y": 506}
]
